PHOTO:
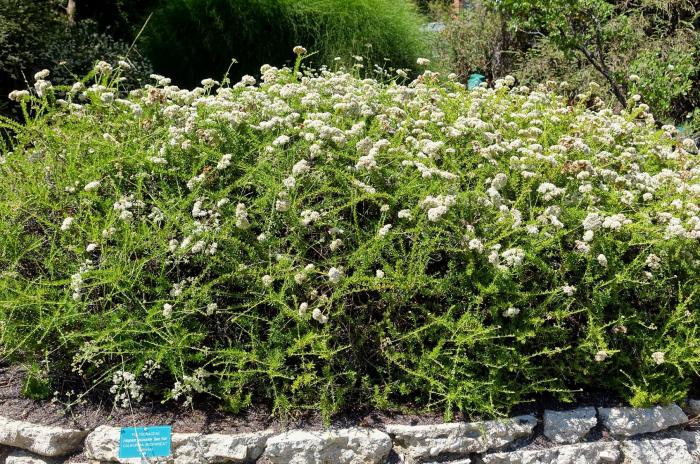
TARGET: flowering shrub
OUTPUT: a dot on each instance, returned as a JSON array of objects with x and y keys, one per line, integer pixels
[{"x": 318, "y": 239}]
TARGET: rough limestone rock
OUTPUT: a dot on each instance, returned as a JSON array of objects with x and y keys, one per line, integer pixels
[
  {"x": 187, "y": 448},
  {"x": 459, "y": 461},
  {"x": 213, "y": 448},
  {"x": 667, "y": 451},
  {"x": 422, "y": 442},
  {"x": 40, "y": 439},
  {"x": 692, "y": 440},
  {"x": 22, "y": 457},
  {"x": 626, "y": 422},
  {"x": 338, "y": 446},
  {"x": 693, "y": 407},
  {"x": 581, "y": 453},
  {"x": 569, "y": 426}
]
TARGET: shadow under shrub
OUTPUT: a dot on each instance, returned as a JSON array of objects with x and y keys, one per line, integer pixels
[
  {"x": 331, "y": 242},
  {"x": 189, "y": 40}
]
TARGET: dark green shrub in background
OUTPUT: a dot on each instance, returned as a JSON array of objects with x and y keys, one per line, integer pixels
[
  {"x": 192, "y": 39},
  {"x": 37, "y": 34}
]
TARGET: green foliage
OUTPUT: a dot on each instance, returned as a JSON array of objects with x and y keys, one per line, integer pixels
[
  {"x": 192, "y": 39},
  {"x": 36, "y": 384},
  {"x": 669, "y": 74},
  {"x": 327, "y": 241},
  {"x": 476, "y": 40},
  {"x": 586, "y": 41},
  {"x": 121, "y": 19},
  {"x": 36, "y": 34},
  {"x": 659, "y": 54}
]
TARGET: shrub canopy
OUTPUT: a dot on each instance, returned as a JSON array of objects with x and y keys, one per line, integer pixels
[
  {"x": 318, "y": 241},
  {"x": 189, "y": 40}
]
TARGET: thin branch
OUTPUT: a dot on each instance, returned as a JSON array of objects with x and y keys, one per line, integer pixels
[{"x": 614, "y": 85}]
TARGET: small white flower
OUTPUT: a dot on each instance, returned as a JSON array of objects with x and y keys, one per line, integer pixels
[
  {"x": 593, "y": 221},
  {"x": 532, "y": 229},
  {"x": 319, "y": 316},
  {"x": 43, "y": 74},
  {"x": 336, "y": 244},
  {"x": 549, "y": 191},
  {"x": 91, "y": 247},
  {"x": 167, "y": 310},
  {"x": 267, "y": 280},
  {"x": 301, "y": 167},
  {"x": 499, "y": 181},
  {"x": 242, "y": 217},
  {"x": 422, "y": 62},
  {"x": 303, "y": 308},
  {"x": 224, "y": 162},
  {"x": 511, "y": 312},
  {"x": 476, "y": 245},
  {"x": 299, "y": 50},
  {"x": 379, "y": 274},
  {"x": 568, "y": 290},
  {"x": 95, "y": 184},
  {"x": 211, "y": 308},
  {"x": 602, "y": 260},
  {"x": 18, "y": 95},
  {"x": 282, "y": 206},
  {"x": 384, "y": 230},
  {"x": 653, "y": 262},
  {"x": 659, "y": 357},
  {"x": 513, "y": 256},
  {"x": 434, "y": 214},
  {"x": 309, "y": 216},
  {"x": 209, "y": 83},
  {"x": 405, "y": 214},
  {"x": 281, "y": 140},
  {"x": 67, "y": 222},
  {"x": 334, "y": 275},
  {"x": 601, "y": 356}
]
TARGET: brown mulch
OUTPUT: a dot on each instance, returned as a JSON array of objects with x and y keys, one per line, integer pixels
[{"x": 205, "y": 418}]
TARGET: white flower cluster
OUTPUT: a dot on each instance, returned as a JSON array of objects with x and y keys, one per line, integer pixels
[
  {"x": 437, "y": 206},
  {"x": 189, "y": 385},
  {"x": 126, "y": 389}
]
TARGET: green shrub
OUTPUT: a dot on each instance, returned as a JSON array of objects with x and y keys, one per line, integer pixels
[
  {"x": 335, "y": 241},
  {"x": 35, "y": 35},
  {"x": 192, "y": 39}
]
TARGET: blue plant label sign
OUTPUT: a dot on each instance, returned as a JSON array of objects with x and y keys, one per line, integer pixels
[{"x": 145, "y": 442}]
